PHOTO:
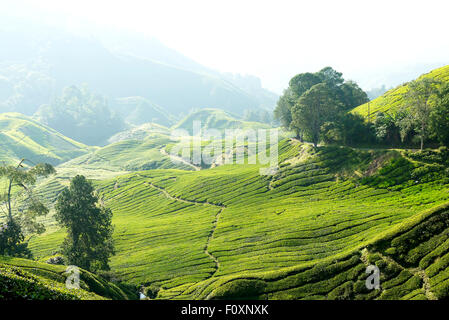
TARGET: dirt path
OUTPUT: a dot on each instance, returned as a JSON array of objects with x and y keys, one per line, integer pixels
[
  {"x": 179, "y": 159},
  {"x": 214, "y": 224}
]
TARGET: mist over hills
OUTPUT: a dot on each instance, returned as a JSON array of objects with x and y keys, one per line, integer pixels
[{"x": 38, "y": 64}]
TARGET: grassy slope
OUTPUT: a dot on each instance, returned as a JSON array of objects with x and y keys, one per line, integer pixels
[
  {"x": 393, "y": 99},
  {"x": 22, "y": 137},
  {"x": 229, "y": 232},
  {"x": 138, "y": 110},
  {"x": 129, "y": 155},
  {"x": 105, "y": 163},
  {"x": 26, "y": 279}
]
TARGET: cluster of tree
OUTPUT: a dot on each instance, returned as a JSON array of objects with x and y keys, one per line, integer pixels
[
  {"x": 82, "y": 116},
  {"x": 316, "y": 105},
  {"x": 423, "y": 117},
  {"x": 89, "y": 229},
  {"x": 88, "y": 244},
  {"x": 257, "y": 116}
]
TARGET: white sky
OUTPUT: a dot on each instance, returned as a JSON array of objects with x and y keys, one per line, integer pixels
[{"x": 277, "y": 39}]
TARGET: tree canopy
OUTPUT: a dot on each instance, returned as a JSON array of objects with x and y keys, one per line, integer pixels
[
  {"x": 315, "y": 99},
  {"x": 345, "y": 95},
  {"x": 89, "y": 242},
  {"x": 20, "y": 205}
]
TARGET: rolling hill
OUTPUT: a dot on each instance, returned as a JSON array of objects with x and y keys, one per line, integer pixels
[
  {"x": 392, "y": 100},
  {"x": 40, "y": 61},
  {"x": 211, "y": 118},
  {"x": 138, "y": 111},
  {"x": 23, "y": 137},
  {"x": 307, "y": 232}
]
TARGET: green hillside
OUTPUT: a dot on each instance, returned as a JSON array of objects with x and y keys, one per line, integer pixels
[
  {"x": 129, "y": 155},
  {"x": 22, "y": 279},
  {"x": 216, "y": 119},
  {"x": 392, "y": 100},
  {"x": 229, "y": 232},
  {"x": 140, "y": 132},
  {"x": 23, "y": 137},
  {"x": 138, "y": 110}
]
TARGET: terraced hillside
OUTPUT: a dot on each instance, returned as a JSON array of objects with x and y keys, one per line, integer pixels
[
  {"x": 129, "y": 155},
  {"x": 229, "y": 232},
  {"x": 216, "y": 119},
  {"x": 22, "y": 137},
  {"x": 22, "y": 279},
  {"x": 392, "y": 100}
]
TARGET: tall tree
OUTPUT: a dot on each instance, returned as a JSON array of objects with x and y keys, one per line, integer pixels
[
  {"x": 21, "y": 206},
  {"x": 440, "y": 115},
  {"x": 417, "y": 98},
  {"x": 314, "y": 108},
  {"x": 347, "y": 94},
  {"x": 89, "y": 242},
  {"x": 387, "y": 128}
]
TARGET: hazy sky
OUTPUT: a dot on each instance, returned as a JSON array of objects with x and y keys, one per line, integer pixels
[{"x": 369, "y": 41}]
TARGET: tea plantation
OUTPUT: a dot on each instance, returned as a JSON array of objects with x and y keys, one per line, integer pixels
[
  {"x": 306, "y": 232},
  {"x": 393, "y": 100}
]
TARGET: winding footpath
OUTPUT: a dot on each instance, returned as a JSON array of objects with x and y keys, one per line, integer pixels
[
  {"x": 178, "y": 159},
  {"x": 214, "y": 224}
]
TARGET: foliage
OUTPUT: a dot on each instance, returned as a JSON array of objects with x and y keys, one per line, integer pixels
[
  {"x": 314, "y": 108},
  {"x": 22, "y": 218},
  {"x": 88, "y": 244},
  {"x": 344, "y": 94},
  {"x": 348, "y": 129},
  {"x": 418, "y": 99},
  {"x": 283, "y": 113},
  {"x": 440, "y": 116}
]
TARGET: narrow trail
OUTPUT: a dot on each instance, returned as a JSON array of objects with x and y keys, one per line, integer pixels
[
  {"x": 179, "y": 159},
  {"x": 214, "y": 224}
]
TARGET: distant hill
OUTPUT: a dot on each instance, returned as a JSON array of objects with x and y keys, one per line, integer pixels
[
  {"x": 140, "y": 132},
  {"x": 392, "y": 100},
  {"x": 23, "y": 137},
  {"x": 128, "y": 155},
  {"x": 36, "y": 65},
  {"x": 216, "y": 119},
  {"x": 138, "y": 110}
]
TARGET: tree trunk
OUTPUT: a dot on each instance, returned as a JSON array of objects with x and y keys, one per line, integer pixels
[
  {"x": 9, "y": 200},
  {"x": 9, "y": 192}
]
